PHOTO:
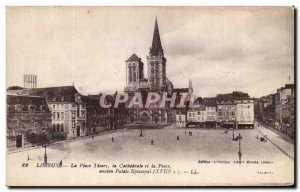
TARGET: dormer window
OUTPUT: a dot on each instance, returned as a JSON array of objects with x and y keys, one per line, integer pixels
[{"x": 42, "y": 108}]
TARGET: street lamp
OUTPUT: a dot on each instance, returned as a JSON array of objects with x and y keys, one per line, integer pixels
[
  {"x": 240, "y": 151},
  {"x": 44, "y": 144},
  {"x": 45, "y": 156},
  {"x": 141, "y": 134},
  {"x": 233, "y": 125}
]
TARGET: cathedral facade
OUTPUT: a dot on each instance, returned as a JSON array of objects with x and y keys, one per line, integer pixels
[{"x": 157, "y": 81}]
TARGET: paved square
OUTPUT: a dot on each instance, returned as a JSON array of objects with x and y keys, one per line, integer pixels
[{"x": 186, "y": 154}]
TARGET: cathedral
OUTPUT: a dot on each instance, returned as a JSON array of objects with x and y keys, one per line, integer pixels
[{"x": 157, "y": 81}]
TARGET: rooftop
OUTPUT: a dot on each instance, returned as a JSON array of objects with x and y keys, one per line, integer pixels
[{"x": 133, "y": 57}]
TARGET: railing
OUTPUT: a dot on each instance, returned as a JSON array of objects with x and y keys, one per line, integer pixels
[{"x": 27, "y": 112}]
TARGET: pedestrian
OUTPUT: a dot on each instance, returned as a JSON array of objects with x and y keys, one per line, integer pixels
[
  {"x": 28, "y": 158},
  {"x": 60, "y": 163},
  {"x": 177, "y": 137},
  {"x": 191, "y": 133},
  {"x": 152, "y": 142},
  {"x": 112, "y": 139},
  {"x": 185, "y": 132},
  {"x": 92, "y": 136}
]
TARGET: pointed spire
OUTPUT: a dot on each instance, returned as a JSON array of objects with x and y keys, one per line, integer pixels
[{"x": 156, "y": 43}]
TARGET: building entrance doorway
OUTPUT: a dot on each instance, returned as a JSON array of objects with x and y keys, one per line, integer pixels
[
  {"x": 78, "y": 131},
  {"x": 19, "y": 141},
  {"x": 145, "y": 117}
]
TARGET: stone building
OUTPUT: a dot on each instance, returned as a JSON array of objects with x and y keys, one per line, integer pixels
[
  {"x": 278, "y": 110},
  {"x": 181, "y": 120},
  {"x": 96, "y": 117},
  {"x": 26, "y": 112},
  {"x": 68, "y": 110},
  {"x": 226, "y": 113},
  {"x": 227, "y": 107},
  {"x": 283, "y": 94},
  {"x": 288, "y": 117},
  {"x": 211, "y": 114},
  {"x": 104, "y": 119},
  {"x": 265, "y": 109},
  {"x": 245, "y": 112}
]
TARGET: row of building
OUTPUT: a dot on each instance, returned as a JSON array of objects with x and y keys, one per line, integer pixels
[
  {"x": 278, "y": 110},
  {"x": 60, "y": 110},
  {"x": 234, "y": 110}
]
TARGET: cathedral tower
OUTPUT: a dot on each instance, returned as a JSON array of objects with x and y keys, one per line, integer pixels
[
  {"x": 156, "y": 63},
  {"x": 134, "y": 72}
]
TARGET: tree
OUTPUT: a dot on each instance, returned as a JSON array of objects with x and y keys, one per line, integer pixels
[{"x": 14, "y": 88}]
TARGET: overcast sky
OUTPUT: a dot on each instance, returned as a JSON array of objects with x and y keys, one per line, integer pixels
[{"x": 220, "y": 49}]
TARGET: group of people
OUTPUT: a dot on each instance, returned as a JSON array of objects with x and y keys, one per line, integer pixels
[
  {"x": 263, "y": 138},
  {"x": 190, "y": 133}
]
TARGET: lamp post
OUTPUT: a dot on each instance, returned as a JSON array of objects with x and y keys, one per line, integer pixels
[
  {"x": 45, "y": 156},
  {"x": 44, "y": 144},
  {"x": 233, "y": 119},
  {"x": 141, "y": 134},
  {"x": 240, "y": 151}
]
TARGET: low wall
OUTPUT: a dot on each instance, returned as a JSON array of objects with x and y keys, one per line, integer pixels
[{"x": 144, "y": 126}]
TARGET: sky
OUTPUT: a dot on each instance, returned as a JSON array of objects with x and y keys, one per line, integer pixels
[{"x": 220, "y": 49}]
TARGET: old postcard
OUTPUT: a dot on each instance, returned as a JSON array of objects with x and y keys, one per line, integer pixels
[{"x": 150, "y": 96}]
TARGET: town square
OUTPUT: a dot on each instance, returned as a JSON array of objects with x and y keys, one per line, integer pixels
[{"x": 213, "y": 146}]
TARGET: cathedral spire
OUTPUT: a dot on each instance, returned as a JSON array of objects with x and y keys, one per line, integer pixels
[{"x": 156, "y": 43}]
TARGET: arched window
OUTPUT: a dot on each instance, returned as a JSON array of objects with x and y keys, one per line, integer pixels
[
  {"x": 152, "y": 64},
  {"x": 130, "y": 73},
  {"x": 156, "y": 65},
  {"x": 134, "y": 74}
]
